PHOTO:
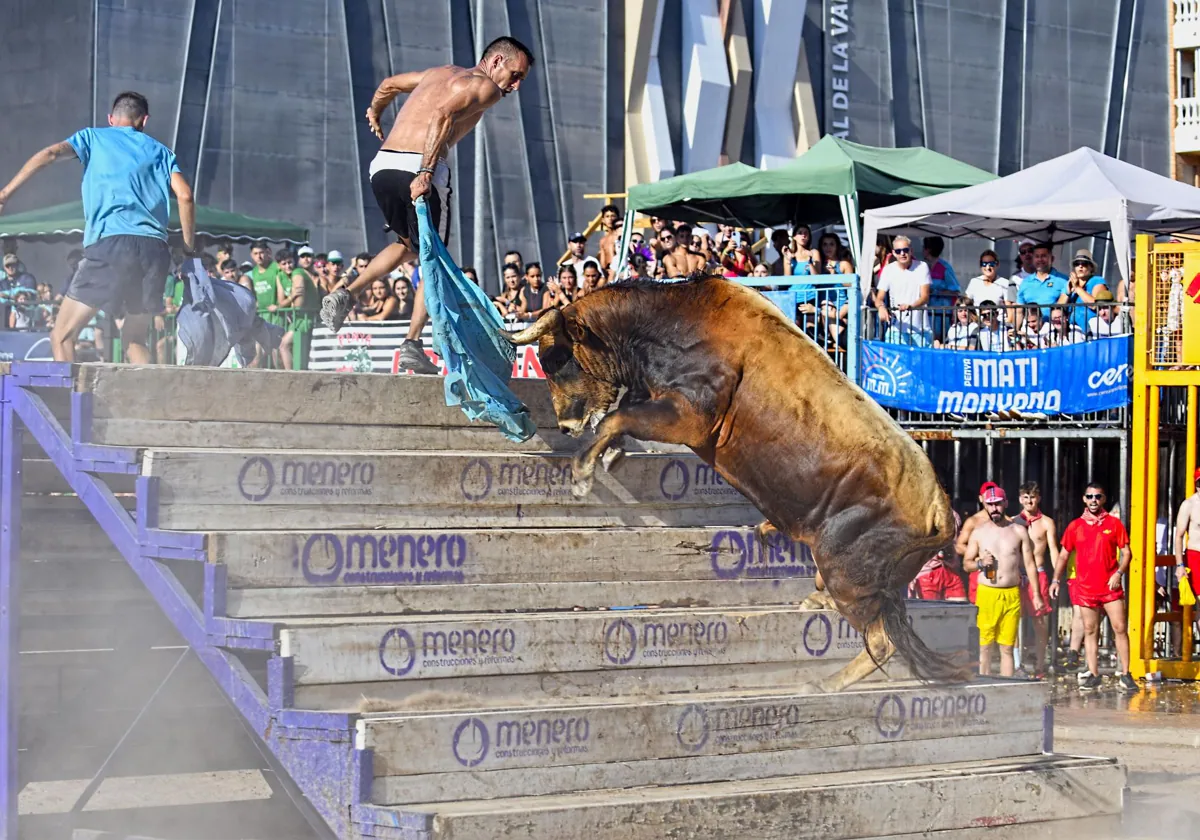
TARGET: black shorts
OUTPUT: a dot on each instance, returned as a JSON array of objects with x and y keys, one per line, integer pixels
[
  {"x": 393, "y": 193},
  {"x": 122, "y": 275}
]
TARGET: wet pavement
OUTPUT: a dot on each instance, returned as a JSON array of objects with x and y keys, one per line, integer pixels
[{"x": 1156, "y": 733}]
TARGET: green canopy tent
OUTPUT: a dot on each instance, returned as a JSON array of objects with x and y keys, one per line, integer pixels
[
  {"x": 64, "y": 223},
  {"x": 833, "y": 181}
]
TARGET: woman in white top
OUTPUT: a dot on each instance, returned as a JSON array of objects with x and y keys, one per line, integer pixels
[{"x": 989, "y": 286}]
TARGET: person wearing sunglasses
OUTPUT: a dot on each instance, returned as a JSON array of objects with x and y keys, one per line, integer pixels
[
  {"x": 1025, "y": 266},
  {"x": 903, "y": 293},
  {"x": 1046, "y": 286},
  {"x": 1083, "y": 287},
  {"x": 989, "y": 286},
  {"x": 1102, "y": 556}
]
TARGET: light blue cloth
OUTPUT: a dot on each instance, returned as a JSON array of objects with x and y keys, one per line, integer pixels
[
  {"x": 468, "y": 335},
  {"x": 126, "y": 182}
]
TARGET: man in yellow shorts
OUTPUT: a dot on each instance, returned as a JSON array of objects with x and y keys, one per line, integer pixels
[{"x": 999, "y": 548}]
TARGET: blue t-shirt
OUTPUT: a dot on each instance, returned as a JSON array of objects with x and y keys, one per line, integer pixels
[
  {"x": 126, "y": 182},
  {"x": 1042, "y": 292}
]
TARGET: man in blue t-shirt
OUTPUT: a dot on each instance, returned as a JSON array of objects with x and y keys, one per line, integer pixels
[
  {"x": 1045, "y": 286},
  {"x": 127, "y": 178}
]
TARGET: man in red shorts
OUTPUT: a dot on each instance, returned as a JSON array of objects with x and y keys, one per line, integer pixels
[
  {"x": 1187, "y": 524},
  {"x": 939, "y": 579},
  {"x": 1045, "y": 548},
  {"x": 1102, "y": 556}
]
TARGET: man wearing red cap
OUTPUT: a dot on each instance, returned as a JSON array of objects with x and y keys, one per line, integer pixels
[
  {"x": 1000, "y": 548},
  {"x": 964, "y": 535},
  {"x": 1102, "y": 556}
]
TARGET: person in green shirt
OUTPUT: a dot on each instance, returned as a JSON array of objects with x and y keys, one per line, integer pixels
[
  {"x": 265, "y": 276},
  {"x": 297, "y": 291}
]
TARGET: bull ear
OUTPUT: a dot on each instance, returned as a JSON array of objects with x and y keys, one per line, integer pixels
[
  {"x": 549, "y": 322},
  {"x": 576, "y": 331}
]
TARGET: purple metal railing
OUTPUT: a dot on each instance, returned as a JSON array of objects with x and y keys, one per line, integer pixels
[{"x": 315, "y": 749}]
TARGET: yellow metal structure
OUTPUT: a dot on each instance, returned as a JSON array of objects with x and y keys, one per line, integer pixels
[{"x": 1166, "y": 353}]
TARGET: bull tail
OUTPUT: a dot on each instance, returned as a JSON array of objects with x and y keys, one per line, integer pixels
[{"x": 926, "y": 664}]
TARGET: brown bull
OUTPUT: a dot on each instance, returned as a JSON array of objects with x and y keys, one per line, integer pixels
[{"x": 715, "y": 366}]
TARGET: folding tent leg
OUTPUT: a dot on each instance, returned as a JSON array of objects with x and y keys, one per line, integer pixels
[{"x": 10, "y": 531}]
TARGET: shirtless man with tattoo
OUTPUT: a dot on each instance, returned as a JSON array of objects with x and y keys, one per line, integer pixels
[
  {"x": 443, "y": 106},
  {"x": 999, "y": 549},
  {"x": 1044, "y": 535}
]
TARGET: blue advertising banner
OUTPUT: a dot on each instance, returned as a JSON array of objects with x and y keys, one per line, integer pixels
[
  {"x": 24, "y": 346},
  {"x": 1075, "y": 379}
]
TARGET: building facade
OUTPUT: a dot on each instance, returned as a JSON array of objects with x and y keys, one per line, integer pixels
[{"x": 263, "y": 100}]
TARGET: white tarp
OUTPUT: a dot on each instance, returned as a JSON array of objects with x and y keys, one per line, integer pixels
[{"x": 1083, "y": 193}]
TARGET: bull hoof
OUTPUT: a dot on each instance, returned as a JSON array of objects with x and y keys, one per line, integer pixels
[
  {"x": 611, "y": 458},
  {"x": 818, "y": 601},
  {"x": 764, "y": 530},
  {"x": 581, "y": 487}
]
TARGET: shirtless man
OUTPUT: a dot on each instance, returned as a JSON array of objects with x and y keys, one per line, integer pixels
[
  {"x": 964, "y": 536},
  {"x": 611, "y": 223},
  {"x": 444, "y": 105},
  {"x": 999, "y": 549},
  {"x": 1187, "y": 524},
  {"x": 1044, "y": 535}
]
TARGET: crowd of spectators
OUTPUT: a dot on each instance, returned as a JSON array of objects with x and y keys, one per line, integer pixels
[
  {"x": 917, "y": 301},
  {"x": 921, "y": 303}
]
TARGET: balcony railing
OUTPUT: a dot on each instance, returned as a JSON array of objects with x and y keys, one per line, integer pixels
[
  {"x": 1187, "y": 24},
  {"x": 1187, "y": 124}
]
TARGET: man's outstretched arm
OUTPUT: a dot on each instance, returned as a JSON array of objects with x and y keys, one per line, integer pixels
[
  {"x": 47, "y": 156},
  {"x": 389, "y": 89}
]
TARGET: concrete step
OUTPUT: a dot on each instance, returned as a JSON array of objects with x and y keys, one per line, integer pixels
[
  {"x": 502, "y": 597},
  {"x": 124, "y": 395},
  {"x": 366, "y": 650},
  {"x": 247, "y": 490},
  {"x": 523, "y": 751},
  {"x": 338, "y": 573},
  {"x": 1002, "y": 799},
  {"x": 503, "y": 555}
]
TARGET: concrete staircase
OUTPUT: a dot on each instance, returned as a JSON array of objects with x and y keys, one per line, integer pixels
[{"x": 436, "y": 640}]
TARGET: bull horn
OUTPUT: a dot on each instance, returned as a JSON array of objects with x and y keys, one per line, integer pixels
[{"x": 549, "y": 321}]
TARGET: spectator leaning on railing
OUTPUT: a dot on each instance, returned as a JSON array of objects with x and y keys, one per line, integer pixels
[
  {"x": 509, "y": 299},
  {"x": 590, "y": 277},
  {"x": 904, "y": 288},
  {"x": 535, "y": 297}
]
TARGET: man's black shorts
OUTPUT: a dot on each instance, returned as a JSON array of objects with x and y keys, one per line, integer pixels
[
  {"x": 122, "y": 275},
  {"x": 393, "y": 193}
]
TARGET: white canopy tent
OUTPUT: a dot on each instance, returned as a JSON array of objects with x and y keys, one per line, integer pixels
[{"x": 1083, "y": 193}]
